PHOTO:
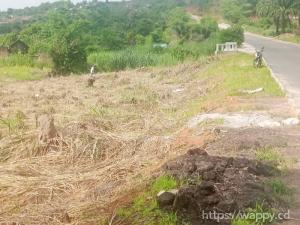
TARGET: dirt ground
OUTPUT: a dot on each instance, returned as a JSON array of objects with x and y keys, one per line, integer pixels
[
  {"x": 111, "y": 138},
  {"x": 229, "y": 164}
]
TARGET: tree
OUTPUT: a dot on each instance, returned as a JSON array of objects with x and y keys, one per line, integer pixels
[
  {"x": 178, "y": 21},
  {"x": 68, "y": 51},
  {"x": 280, "y": 10},
  {"x": 235, "y": 33}
]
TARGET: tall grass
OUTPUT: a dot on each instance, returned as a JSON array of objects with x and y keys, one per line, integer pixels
[
  {"x": 23, "y": 60},
  {"x": 144, "y": 56}
]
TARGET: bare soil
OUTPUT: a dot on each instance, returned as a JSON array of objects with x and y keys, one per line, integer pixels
[{"x": 226, "y": 177}]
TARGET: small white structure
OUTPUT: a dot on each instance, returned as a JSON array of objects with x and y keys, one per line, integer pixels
[
  {"x": 223, "y": 26},
  {"x": 160, "y": 45},
  {"x": 227, "y": 47}
]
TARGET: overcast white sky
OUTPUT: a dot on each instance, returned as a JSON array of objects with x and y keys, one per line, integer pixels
[{"x": 16, "y": 4}]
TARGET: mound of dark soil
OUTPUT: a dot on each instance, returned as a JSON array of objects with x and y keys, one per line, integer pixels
[{"x": 218, "y": 184}]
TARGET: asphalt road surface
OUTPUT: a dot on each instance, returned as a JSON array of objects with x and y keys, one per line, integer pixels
[{"x": 284, "y": 60}]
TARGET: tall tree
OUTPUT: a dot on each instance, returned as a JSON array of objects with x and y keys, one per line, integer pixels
[{"x": 280, "y": 10}]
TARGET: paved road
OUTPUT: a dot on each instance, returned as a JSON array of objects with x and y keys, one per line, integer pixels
[{"x": 284, "y": 60}]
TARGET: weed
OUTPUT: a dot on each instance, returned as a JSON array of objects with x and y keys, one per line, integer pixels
[
  {"x": 270, "y": 155},
  {"x": 279, "y": 187},
  {"x": 163, "y": 183},
  {"x": 14, "y": 123},
  {"x": 255, "y": 216},
  {"x": 144, "y": 209}
]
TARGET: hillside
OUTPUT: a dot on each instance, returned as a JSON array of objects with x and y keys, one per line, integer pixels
[{"x": 113, "y": 137}]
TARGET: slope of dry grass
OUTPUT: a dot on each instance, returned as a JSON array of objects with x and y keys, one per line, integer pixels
[{"x": 112, "y": 137}]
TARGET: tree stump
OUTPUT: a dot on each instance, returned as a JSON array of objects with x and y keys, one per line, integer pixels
[{"x": 91, "y": 81}]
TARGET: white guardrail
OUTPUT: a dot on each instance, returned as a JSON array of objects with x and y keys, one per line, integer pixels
[{"x": 227, "y": 47}]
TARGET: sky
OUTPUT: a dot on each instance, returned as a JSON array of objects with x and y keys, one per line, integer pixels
[{"x": 17, "y": 4}]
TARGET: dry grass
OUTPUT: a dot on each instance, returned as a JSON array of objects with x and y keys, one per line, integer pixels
[{"x": 112, "y": 138}]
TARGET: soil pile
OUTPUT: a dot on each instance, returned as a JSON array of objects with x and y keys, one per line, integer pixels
[{"x": 219, "y": 184}]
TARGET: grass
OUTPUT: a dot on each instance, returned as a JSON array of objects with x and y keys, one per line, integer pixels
[
  {"x": 232, "y": 74},
  {"x": 279, "y": 187},
  {"x": 144, "y": 208},
  {"x": 13, "y": 123},
  {"x": 113, "y": 134},
  {"x": 270, "y": 32},
  {"x": 144, "y": 56},
  {"x": 23, "y": 67},
  {"x": 21, "y": 73},
  {"x": 255, "y": 216},
  {"x": 289, "y": 38},
  {"x": 269, "y": 155}
]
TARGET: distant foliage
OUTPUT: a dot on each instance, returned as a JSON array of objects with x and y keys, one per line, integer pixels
[
  {"x": 144, "y": 56},
  {"x": 235, "y": 33},
  {"x": 204, "y": 29},
  {"x": 111, "y": 33},
  {"x": 68, "y": 55}
]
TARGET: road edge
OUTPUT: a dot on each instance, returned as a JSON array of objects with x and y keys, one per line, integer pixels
[
  {"x": 273, "y": 39},
  {"x": 284, "y": 86}
]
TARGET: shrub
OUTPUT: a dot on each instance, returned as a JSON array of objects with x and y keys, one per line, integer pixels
[
  {"x": 68, "y": 54},
  {"x": 204, "y": 29},
  {"x": 233, "y": 34}
]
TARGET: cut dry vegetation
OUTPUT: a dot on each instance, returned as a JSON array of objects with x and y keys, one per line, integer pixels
[{"x": 111, "y": 138}]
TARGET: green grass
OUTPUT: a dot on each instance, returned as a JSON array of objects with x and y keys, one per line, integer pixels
[
  {"x": 23, "y": 60},
  {"x": 253, "y": 216},
  {"x": 21, "y": 73},
  {"x": 145, "y": 56},
  {"x": 279, "y": 187},
  {"x": 289, "y": 38},
  {"x": 237, "y": 73},
  {"x": 230, "y": 75},
  {"x": 144, "y": 208},
  {"x": 269, "y": 155},
  {"x": 13, "y": 123},
  {"x": 270, "y": 32}
]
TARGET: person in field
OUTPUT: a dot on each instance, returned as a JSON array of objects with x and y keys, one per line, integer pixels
[{"x": 93, "y": 71}]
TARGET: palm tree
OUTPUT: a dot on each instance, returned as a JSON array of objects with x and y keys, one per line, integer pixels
[{"x": 280, "y": 10}]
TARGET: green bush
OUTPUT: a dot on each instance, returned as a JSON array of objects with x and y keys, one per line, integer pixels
[
  {"x": 68, "y": 55},
  {"x": 204, "y": 29},
  {"x": 233, "y": 34}
]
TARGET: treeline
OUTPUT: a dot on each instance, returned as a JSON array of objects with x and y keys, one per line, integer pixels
[
  {"x": 123, "y": 31},
  {"x": 272, "y": 16}
]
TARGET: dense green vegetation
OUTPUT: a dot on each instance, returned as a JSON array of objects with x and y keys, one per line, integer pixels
[
  {"x": 268, "y": 17},
  {"x": 115, "y": 35}
]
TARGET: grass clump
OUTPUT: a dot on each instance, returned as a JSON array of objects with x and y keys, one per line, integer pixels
[
  {"x": 13, "y": 123},
  {"x": 255, "y": 216},
  {"x": 281, "y": 191},
  {"x": 269, "y": 155},
  {"x": 279, "y": 187},
  {"x": 144, "y": 208}
]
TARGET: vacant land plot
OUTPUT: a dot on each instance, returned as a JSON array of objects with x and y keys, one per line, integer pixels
[{"x": 112, "y": 137}]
